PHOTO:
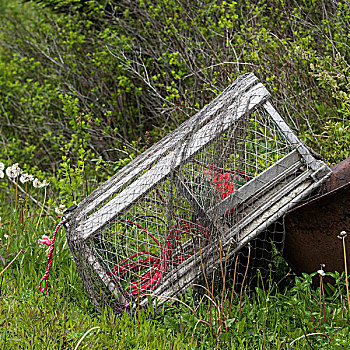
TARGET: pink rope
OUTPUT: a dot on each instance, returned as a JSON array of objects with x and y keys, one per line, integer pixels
[{"x": 51, "y": 244}]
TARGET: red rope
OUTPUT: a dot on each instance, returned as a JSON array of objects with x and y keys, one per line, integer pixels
[
  {"x": 223, "y": 181},
  {"x": 155, "y": 266},
  {"x": 51, "y": 244}
]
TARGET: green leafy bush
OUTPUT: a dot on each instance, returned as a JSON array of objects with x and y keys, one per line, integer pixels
[{"x": 108, "y": 78}]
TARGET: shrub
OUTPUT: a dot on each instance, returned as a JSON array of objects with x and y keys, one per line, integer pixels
[{"x": 113, "y": 72}]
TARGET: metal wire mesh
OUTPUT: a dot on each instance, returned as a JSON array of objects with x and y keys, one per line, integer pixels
[{"x": 195, "y": 198}]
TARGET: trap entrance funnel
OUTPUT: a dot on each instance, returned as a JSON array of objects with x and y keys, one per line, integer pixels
[{"x": 197, "y": 196}]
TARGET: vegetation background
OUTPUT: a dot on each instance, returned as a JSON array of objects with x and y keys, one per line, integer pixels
[{"x": 86, "y": 85}]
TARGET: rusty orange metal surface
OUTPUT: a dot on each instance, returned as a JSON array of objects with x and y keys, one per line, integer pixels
[
  {"x": 340, "y": 176},
  {"x": 312, "y": 228}
]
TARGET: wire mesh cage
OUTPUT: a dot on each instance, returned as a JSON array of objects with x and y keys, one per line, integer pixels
[{"x": 195, "y": 198}]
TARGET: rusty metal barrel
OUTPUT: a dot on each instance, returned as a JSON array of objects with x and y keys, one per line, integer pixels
[{"x": 312, "y": 229}]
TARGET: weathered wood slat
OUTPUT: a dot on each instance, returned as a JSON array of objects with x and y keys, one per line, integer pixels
[
  {"x": 106, "y": 279},
  {"x": 282, "y": 197},
  {"x": 299, "y": 181},
  {"x": 248, "y": 102},
  {"x": 252, "y": 203}
]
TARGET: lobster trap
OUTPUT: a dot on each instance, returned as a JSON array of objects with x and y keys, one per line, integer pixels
[{"x": 192, "y": 200}]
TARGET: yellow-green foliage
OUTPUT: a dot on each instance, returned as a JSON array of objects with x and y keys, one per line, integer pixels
[{"x": 109, "y": 72}]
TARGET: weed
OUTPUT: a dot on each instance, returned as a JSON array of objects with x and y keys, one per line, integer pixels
[{"x": 270, "y": 316}]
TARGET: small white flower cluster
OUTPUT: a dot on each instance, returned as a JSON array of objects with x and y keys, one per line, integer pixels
[
  {"x": 60, "y": 209},
  {"x": 342, "y": 235},
  {"x": 14, "y": 171},
  {"x": 39, "y": 184},
  {"x": 26, "y": 178},
  {"x": 321, "y": 271}
]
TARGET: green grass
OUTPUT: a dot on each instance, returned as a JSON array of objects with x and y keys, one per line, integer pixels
[{"x": 273, "y": 316}]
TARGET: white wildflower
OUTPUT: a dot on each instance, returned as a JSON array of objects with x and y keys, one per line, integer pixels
[
  {"x": 342, "y": 235},
  {"x": 39, "y": 184},
  {"x": 13, "y": 171},
  {"x": 10, "y": 172},
  {"x": 17, "y": 168},
  {"x": 25, "y": 178},
  {"x": 45, "y": 183},
  {"x": 36, "y": 183},
  {"x": 2, "y": 166},
  {"x": 60, "y": 209},
  {"x": 321, "y": 273},
  {"x": 6, "y": 236},
  {"x": 1, "y": 174}
]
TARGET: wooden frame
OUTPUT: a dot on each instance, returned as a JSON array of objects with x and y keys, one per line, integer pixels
[{"x": 269, "y": 194}]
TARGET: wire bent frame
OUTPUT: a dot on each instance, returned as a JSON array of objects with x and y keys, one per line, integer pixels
[{"x": 222, "y": 177}]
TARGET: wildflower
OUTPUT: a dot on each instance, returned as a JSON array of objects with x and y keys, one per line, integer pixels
[
  {"x": 320, "y": 271},
  {"x": 342, "y": 235},
  {"x": 25, "y": 178},
  {"x": 13, "y": 171},
  {"x": 2, "y": 167},
  {"x": 60, "y": 209},
  {"x": 10, "y": 173},
  {"x": 1, "y": 174},
  {"x": 17, "y": 168},
  {"x": 6, "y": 236},
  {"x": 39, "y": 184},
  {"x": 36, "y": 183},
  {"x": 45, "y": 183},
  {"x": 45, "y": 240}
]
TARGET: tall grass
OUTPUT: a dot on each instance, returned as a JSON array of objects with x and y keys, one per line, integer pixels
[{"x": 286, "y": 315}]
